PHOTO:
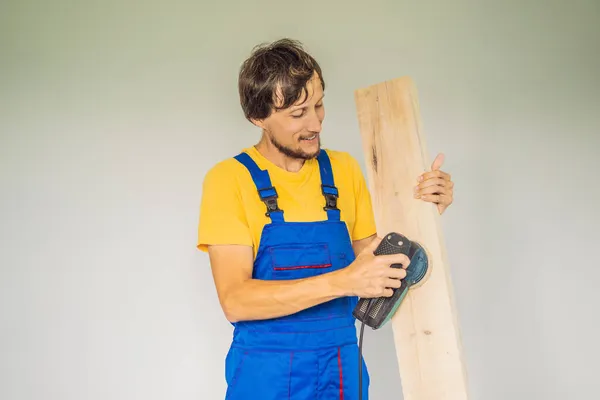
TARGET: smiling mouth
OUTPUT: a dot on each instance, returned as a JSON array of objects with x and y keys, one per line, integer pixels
[{"x": 310, "y": 137}]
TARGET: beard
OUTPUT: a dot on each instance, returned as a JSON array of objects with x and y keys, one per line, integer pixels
[{"x": 295, "y": 153}]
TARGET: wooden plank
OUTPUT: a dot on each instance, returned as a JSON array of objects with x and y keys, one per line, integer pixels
[{"x": 426, "y": 332}]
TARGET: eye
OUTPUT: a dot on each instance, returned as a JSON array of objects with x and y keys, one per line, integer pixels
[{"x": 298, "y": 114}]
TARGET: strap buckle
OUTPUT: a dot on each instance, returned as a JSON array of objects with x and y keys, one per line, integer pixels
[
  {"x": 331, "y": 195},
  {"x": 270, "y": 201}
]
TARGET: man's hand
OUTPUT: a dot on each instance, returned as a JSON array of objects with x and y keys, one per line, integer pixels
[
  {"x": 436, "y": 186},
  {"x": 370, "y": 275}
]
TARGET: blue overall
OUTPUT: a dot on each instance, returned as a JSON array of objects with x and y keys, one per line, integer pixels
[{"x": 312, "y": 354}]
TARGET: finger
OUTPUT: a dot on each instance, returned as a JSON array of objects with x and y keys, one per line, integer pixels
[
  {"x": 446, "y": 199},
  {"x": 388, "y": 292},
  {"x": 431, "y": 198},
  {"x": 434, "y": 174},
  {"x": 434, "y": 181},
  {"x": 437, "y": 163},
  {"x": 437, "y": 198},
  {"x": 389, "y": 259},
  {"x": 396, "y": 273},
  {"x": 393, "y": 283},
  {"x": 372, "y": 246},
  {"x": 432, "y": 190}
]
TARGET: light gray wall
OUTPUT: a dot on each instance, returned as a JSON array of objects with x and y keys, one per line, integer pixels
[{"x": 111, "y": 113}]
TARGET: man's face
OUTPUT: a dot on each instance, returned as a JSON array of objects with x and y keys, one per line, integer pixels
[{"x": 295, "y": 131}]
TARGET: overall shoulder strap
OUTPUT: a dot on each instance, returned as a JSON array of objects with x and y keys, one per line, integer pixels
[
  {"x": 328, "y": 188},
  {"x": 266, "y": 191}
]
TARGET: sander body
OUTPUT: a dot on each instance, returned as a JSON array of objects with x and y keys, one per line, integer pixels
[{"x": 376, "y": 312}]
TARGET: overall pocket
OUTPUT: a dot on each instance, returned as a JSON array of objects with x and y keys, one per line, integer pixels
[{"x": 296, "y": 261}]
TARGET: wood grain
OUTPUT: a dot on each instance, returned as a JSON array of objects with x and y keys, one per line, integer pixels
[{"x": 426, "y": 332}]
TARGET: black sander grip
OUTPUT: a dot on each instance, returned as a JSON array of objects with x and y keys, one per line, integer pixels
[{"x": 376, "y": 312}]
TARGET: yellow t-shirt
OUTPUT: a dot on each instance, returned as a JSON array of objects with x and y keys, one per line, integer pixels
[{"x": 231, "y": 211}]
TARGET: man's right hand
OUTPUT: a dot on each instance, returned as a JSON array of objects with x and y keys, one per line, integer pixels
[{"x": 370, "y": 275}]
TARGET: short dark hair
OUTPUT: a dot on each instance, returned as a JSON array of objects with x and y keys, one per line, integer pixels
[{"x": 280, "y": 65}]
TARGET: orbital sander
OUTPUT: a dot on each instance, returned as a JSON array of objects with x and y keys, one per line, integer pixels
[{"x": 376, "y": 312}]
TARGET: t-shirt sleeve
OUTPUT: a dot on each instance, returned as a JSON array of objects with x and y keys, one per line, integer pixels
[
  {"x": 222, "y": 218},
  {"x": 364, "y": 225}
]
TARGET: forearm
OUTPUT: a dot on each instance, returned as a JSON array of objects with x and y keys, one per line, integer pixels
[
  {"x": 258, "y": 299},
  {"x": 359, "y": 245}
]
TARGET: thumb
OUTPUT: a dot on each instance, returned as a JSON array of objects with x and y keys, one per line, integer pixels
[
  {"x": 372, "y": 246},
  {"x": 437, "y": 163}
]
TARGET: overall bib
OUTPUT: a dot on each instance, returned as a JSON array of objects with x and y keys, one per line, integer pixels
[{"x": 312, "y": 354}]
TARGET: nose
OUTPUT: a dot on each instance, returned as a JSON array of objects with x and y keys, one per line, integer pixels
[{"x": 314, "y": 123}]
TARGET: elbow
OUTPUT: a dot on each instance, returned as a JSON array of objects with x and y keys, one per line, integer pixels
[
  {"x": 231, "y": 309},
  {"x": 232, "y": 317}
]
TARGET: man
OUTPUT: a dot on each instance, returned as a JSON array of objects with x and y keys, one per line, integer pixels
[{"x": 290, "y": 234}]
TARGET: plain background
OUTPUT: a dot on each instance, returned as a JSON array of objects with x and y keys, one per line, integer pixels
[{"x": 112, "y": 112}]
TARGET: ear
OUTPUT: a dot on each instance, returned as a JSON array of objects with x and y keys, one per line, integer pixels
[{"x": 258, "y": 122}]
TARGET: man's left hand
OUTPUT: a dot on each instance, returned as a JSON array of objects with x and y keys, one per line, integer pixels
[{"x": 436, "y": 186}]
